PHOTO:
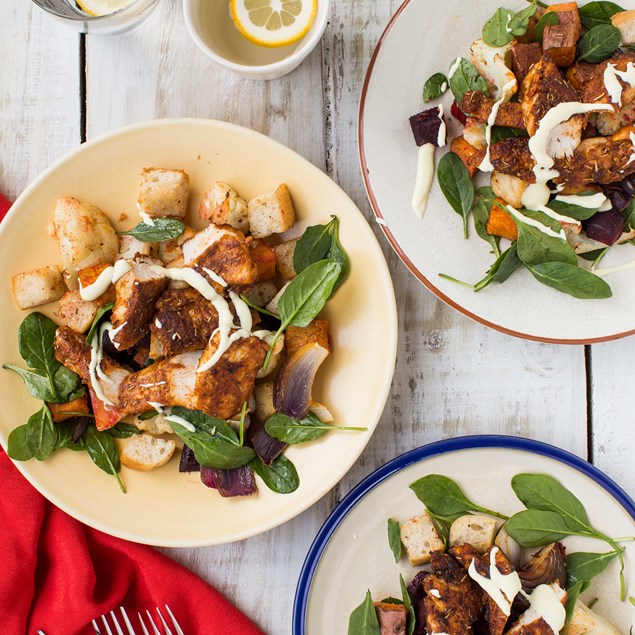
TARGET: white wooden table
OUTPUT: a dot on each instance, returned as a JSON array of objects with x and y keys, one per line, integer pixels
[{"x": 453, "y": 376}]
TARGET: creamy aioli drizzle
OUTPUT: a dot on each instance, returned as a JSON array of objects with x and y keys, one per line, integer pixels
[
  {"x": 547, "y": 605},
  {"x": 632, "y": 155},
  {"x": 559, "y": 217},
  {"x": 215, "y": 277},
  {"x": 147, "y": 219},
  {"x": 612, "y": 81},
  {"x": 486, "y": 164},
  {"x": 176, "y": 419},
  {"x": 608, "y": 270},
  {"x": 501, "y": 588},
  {"x": 454, "y": 67},
  {"x": 113, "y": 333},
  {"x": 108, "y": 276},
  {"x": 158, "y": 324},
  {"x": 94, "y": 368},
  {"x": 534, "y": 223},
  {"x": 423, "y": 179},
  {"x": 441, "y": 138},
  {"x": 589, "y": 202}
]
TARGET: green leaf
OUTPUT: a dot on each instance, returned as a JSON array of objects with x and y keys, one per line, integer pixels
[
  {"x": 407, "y": 602},
  {"x": 292, "y": 431},
  {"x": 312, "y": 247},
  {"x": 500, "y": 133},
  {"x": 573, "y": 593},
  {"x": 17, "y": 447},
  {"x": 123, "y": 430},
  {"x": 394, "y": 538},
  {"x": 162, "y": 230},
  {"x": 537, "y": 528},
  {"x": 519, "y": 24},
  {"x": 280, "y": 477},
  {"x": 596, "y": 13},
  {"x": 36, "y": 381},
  {"x": 585, "y": 566},
  {"x": 36, "y": 339},
  {"x": 599, "y": 43},
  {"x": 456, "y": 185},
  {"x": 65, "y": 431},
  {"x": 571, "y": 279},
  {"x": 337, "y": 254},
  {"x": 104, "y": 453},
  {"x": 629, "y": 215},
  {"x": 573, "y": 211},
  {"x": 41, "y": 434},
  {"x": 465, "y": 79},
  {"x": 364, "y": 620},
  {"x": 149, "y": 414},
  {"x": 504, "y": 266},
  {"x": 548, "y": 19},
  {"x": 67, "y": 385},
  {"x": 435, "y": 86},
  {"x": 535, "y": 246},
  {"x": 96, "y": 321},
  {"x": 480, "y": 213},
  {"x": 496, "y": 31}
]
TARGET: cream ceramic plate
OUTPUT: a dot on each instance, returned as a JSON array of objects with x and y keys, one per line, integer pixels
[
  {"x": 351, "y": 553},
  {"x": 164, "y": 507},
  {"x": 423, "y": 38}
]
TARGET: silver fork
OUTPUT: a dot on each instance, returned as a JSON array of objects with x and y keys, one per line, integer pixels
[{"x": 128, "y": 625}]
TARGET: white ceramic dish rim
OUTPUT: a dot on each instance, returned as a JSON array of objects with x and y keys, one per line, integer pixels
[
  {"x": 390, "y": 342},
  {"x": 376, "y": 478},
  {"x": 286, "y": 64},
  {"x": 397, "y": 247}
]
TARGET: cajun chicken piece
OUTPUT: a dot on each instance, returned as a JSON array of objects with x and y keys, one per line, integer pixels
[
  {"x": 136, "y": 292},
  {"x": 580, "y": 74},
  {"x": 479, "y": 106},
  {"x": 510, "y": 156},
  {"x": 531, "y": 623},
  {"x": 453, "y": 601},
  {"x": 545, "y": 88},
  {"x": 223, "y": 250},
  {"x": 465, "y": 554},
  {"x": 183, "y": 322}
]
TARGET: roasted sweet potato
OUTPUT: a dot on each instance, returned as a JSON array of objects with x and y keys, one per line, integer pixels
[
  {"x": 560, "y": 40},
  {"x": 89, "y": 275},
  {"x": 500, "y": 223},
  {"x": 265, "y": 259},
  {"x": 317, "y": 331},
  {"x": 63, "y": 411},
  {"x": 524, "y": 56},
  {"x": 464, "y": 151}
]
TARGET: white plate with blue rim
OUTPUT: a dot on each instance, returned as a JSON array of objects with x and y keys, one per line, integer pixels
[
  {"x": 423, "y": 38},
  {"x": 351, "y": 555}
]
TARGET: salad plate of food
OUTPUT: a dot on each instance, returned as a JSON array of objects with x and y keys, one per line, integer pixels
[
  {"x": 540, "y": 542},
  {"x": 192, "y": 313},
  {"x": 498, "y": 154}
]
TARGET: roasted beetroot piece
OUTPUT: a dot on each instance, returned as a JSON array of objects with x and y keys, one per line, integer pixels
[
  {"x": 457, "y": 113},
  {"x": 628, "y": 185},
  {"x": 415, "y": 588},
  {"x": 208, "y": 476},
  {"x": 426, "y": 125},
  {"x": 236, "y": 482},
  {"x": 605, "y": 227},
  {"x": 266, "y": 447},
  {"x": 420, "y": 617},
  {"x": 188, "y": 461},
  {"x": 619, "y": 199}
]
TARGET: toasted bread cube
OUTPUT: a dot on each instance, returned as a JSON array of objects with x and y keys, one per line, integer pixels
[
  {"x": 262, "y": 293},
  {"x": 420, "y": 538},
  {"x": 524, "y": 56},
  {"x": 501, "y": 223},
  {"x": 465, "y": 152},
  {"x": 144, "y": 452},
  {"x": 392, "y": 618},
  {"x": 510, "y": 188},
  {"x": 271, "y": 212},
  {"x": 63, "y": 411},
  {"x": 584, "y": 620},
  {"x": 477, "y": 530},
  {"x": 76, "y": 313},
  {"x": 155, "y": 426},
  {"x": 223, "y": 206},
  {"x": 264, "y": 258},
  {"x": 263, "y": 394},
  {"x": 316, "y": 332},
  {"x": 284, "y": 256},
  {"x": 624, "y": 22},
  {"x": 129, "y": 247},
  {"x": 164, "y": 193},
  {"x": 38, "y": 287}
]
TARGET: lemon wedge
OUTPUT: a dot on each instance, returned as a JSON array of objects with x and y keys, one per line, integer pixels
[
  {"x": 96, "y": 8},
  {"x": 273, "y": 23}
]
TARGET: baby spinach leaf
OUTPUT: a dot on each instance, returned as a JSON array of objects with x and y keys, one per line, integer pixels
[
  {"x": 162, "y": 230},
  {"x": 364, "y": 620},
  {"x": 456, "y": 185},
  {"x": 435, "y": 86},
  {"x": 537, "y": 528},
  {"x": 312, "y": 247},
  {"x": 519, "y": 24},
  {"x": 123, "y": 430},
  {"x": 67, "y": 433},
  {"x": 212, "y": 425},
  {"x": 573, "y": 211},
  {"x": 500, "y": 133},
  {"x": 17, "y": 446},
  {"x": 535, "y": 246},
  {"x": 466, "y": 79},
  {"x": 502, "y": 269},
  {"x": 337, "y": 253},
  {"x": 149, "y": 414},
  {"x": 480, "y": 213},
  {"x": 292, "y": 431},
  {"x": 36, "y": 338},
  {"x": 67, "y": 385},
  {"x": 573, "y": 593},
  {"x": 629, "y": 215},
  {"x": 548, "y": 19},
  {"x": 585, "y": 566},
  {"x": 97, "y": 320},
  {"x": 599, "y": 43},
  {"x": 596, "y": 13},
  {"x": 280, "y": 476},
  {"x": 571, "y": 279},
  {"x": 36, "y": 381},
  {"x": 407, "y": 602},
  {"x": 497, "y": 31},
  {"x": 394, "y": 538},
  {"x": 41, "y": 434},
  {"x": 255, "y": 307},
  {"x": 443, "y": 497},
  {"x": 104, "y": 453}
]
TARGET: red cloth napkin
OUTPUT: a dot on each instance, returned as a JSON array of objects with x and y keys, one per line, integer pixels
[{"x": 57, "y": 574}]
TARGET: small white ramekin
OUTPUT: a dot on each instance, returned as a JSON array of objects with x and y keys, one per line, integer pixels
[{"x": 211, "y": 27}]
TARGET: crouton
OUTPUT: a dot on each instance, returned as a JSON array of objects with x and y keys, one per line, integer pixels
[
  {"x": 476, "y": 530},
  {"x": 164, "y": 193},
  {"x": 261, "y": 293},
  {"x": 263, "y": 394},
  {"x": 509, "y": 547},
  {"x": 316, "y": 332},
  {"x": 264, "y": 258},
  {"x": 501, "y": 223},
  {"x": 509, "y": 188},
  {"x": 624, "y": 22},
  {"x": 63, "y": 411},
  {"x": 524, "y": 56},
  {"x": 465, "y": 152},
  {"x": 271, "y": 212},
  {"x": 155, "y": 426},
  {"x": 38, "y": 287},
  {"x": 143, "y": 452},
  {"x": 392, "y": 618},
  {"x": 584, "y": 620},
  {"x": 420, "y": 538},
  {"x": 76, "y": 313},
  {"x": 223, "y": 206},
  {"x": 129, "y": 247},
  {"x": 284, "y": 257}
]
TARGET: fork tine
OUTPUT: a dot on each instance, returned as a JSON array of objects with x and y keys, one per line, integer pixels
[
  {"x": 96, "y": 628},
  {"x": 103, "y": 619},
  {"x": 143, "y": 626},
  {"x": 115, "y": 621},
  {"x": 154, "y": 626},
  {"x": 127, "y": 621},
  {"x": 176, "y": 624},
  {"x": 165, "y": 626}
]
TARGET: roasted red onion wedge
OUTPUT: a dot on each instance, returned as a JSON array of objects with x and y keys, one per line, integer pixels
[
  {"x": 229, "y": 483},
  {"x": 545, "y": 567}
]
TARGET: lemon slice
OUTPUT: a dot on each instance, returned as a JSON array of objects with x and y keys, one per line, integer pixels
[
  {"x": 273, "y": 23},
  {"x": 102, "y": 7}
]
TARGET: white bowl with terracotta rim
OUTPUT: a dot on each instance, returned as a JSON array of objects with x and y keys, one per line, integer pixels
[
  {"x": 406, "y": 55},
  {"x": 165, "y": 507}
]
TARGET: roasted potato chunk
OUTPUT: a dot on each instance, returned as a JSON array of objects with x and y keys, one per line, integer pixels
[{"x": 38, "y": 287}]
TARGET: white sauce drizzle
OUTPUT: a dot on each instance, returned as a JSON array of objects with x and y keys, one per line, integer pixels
[
  {"x": 157, "y": 406},
  {"x": 108, "y": 276},
  {"x": 501, "y": 588},
  {"x": 559, "y": 217},
  {"x": 508, "y": 89},
  {"x": 423, "y": 179},
  {"x": 607, "y": 271},
  {"x": 454, "y": 67},
  {"x": 547, "y": 605},
  {"x": 158, "y": 324},
  {"x": 147, "y": 219},
  {"x": 113, "y": 333},
  {"x": 158, "y": 383},
  {"x": 215, "y": 277},
  {"x": 444, "y": 87},
  {"x": 435, "y": 593},
  {"x": 176, "y": 419},
  {"x": 534, "y": 223},
  {"x": 536, "y": 195},
  {"x": 632, "y": 155},
  {"x": 612, "y": 81},
  {"x": 94, "y": 368},
  {"x": 588, "y": 202},
  {"x": 441, "y": 138}
]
